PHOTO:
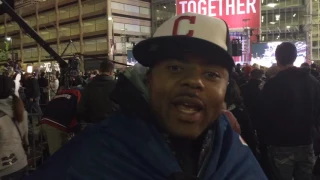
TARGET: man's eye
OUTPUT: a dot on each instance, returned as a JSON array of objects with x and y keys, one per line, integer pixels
[
  {"x": 174, "y": 68},
  {"x": 212, "y": 75}
]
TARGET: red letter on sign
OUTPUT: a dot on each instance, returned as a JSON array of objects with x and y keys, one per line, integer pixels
[{"x": 192, "y": 20}]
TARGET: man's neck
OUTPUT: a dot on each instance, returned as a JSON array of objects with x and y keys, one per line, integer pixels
[{"x": 284, "y": 67}]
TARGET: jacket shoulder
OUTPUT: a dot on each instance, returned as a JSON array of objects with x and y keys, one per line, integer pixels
[{"x": 78, "y": 152}]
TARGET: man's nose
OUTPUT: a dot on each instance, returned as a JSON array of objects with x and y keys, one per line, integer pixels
[{"x": 193, "y": 80}]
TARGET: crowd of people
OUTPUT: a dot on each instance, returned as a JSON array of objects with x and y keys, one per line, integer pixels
[{"x": 185, "y": 112}]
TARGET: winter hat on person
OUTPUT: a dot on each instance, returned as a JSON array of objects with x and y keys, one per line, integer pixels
[
  {"x": 6, "y": 87},
  {"x": 188, "y": 32}
]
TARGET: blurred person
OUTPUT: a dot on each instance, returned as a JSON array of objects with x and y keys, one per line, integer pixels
[
  {"x": 238, "y": 69},
  {"x": 246, "y": 75},
  {"x": 251, "y": 92},
  {"x": 13, "y": 133},
  {"x": 272, "y": 72},
  {"x": 170, "y": 124},
  {"x": 44, "y": 85},
  {"x": 235, "y": 105},
  {"x": 255, "y": 66},
  {"x": 95, "y": 104},
  {"x": 288, "y": 113},
  {"x": 59, "y": 121},
  {"x": 314, "y": 71},
  {"x": 306, "y": 66},
  {"x": 32, "y": 94},
  {"x": 54, "y": 85}
]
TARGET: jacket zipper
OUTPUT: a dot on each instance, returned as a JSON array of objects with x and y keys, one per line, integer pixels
[{"x": 207, "y": 154}]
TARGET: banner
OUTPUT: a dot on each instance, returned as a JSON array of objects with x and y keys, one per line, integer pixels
[{"x": 237, "y": 13}]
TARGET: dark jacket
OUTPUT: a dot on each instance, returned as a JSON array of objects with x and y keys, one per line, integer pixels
[
  {"x": 32, "y": 89},
  {"x": 250, "y": 93},
  {"x": 129, "y": 146},
  {"x": 95, "y": 104},
  {"x": 289, "y": 108},
  {"x": 61, "y": 111},
  {"x": 247, "y": 131}
]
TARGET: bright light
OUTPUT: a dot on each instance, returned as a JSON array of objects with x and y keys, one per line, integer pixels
[
  {"x": 272, "y": 5},
  {"x": 288, "y": 27},
  {"x": 272, "y": 22},
  {"x": 8, "y": 38},
  {"x": 294, "y": 15},
  {"x": 277, "y": 17},
  {"x": 164, "y": 7},
  {"x": 110, "y": 18},
  {"x": 29, "y": 69}
]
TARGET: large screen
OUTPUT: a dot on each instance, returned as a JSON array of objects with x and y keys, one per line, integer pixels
[{"x": 264, "y": 53}]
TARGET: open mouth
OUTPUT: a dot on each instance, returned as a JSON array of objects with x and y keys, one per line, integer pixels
[{"x": 188, "y": 105}]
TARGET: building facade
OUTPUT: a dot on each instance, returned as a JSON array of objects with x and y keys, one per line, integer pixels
[
  {"x": 97, "y": 28},
  {"x": 281, "y": 20}
]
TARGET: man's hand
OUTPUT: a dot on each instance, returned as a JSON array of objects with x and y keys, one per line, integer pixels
[{"x": 31, "y": 99}]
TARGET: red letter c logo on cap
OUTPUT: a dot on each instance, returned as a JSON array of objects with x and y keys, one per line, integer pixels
[{"x": 192, "y": 20}]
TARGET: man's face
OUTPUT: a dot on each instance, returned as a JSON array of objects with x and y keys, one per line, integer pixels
[{"x": 187, "y": 96}]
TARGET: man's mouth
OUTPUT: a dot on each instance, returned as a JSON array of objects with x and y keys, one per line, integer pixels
[
  {"x": 188, "y": 105},
  {"x": 187, "y": 108}
]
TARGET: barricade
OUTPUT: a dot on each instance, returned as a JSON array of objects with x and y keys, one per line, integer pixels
[{"x": 37, "y": 142}]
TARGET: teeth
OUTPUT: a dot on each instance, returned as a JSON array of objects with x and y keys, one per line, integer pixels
[{"x": 187, "y": 110}]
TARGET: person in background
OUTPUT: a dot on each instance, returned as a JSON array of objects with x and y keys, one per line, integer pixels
[
  {"x": 54, "y": 85},
  {"x": 238, "y": 69},
  {"x": 246, "y": 75},
  {"x": 251, "y": 91},
  {"x": 288, "y": 112},
  {"x": 314, "y": 71},
  {"x": 13, "y": 133},
  {"x": 272, "y": 72},
  {"x": 235, "y": 105},
  {"x": 43, "y": 84},
  {"x": 306, "y": 66},
  {"x": 94, "y": 74},
  {"x": 32, "y": 93},
  {"x": 95, "y": 104},
  {"x": 255, "y": 66},
  {"x": 171, "y": 123}
]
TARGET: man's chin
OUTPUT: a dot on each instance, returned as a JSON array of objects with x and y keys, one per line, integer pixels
[{"x": 191, "y": 135}]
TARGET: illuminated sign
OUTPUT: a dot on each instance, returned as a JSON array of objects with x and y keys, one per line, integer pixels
[{"x": 237, "y": 13}]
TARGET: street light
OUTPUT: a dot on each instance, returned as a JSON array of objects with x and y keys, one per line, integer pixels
[{"x": 11, "y": 46}]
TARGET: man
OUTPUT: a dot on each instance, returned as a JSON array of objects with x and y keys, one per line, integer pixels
[
  {"x": 32, "y": 93},
  {"x": 251, "y": 90},
  {"x": 289, "y": 111},
  {"x": 59, "y": 118},
  {"x": 95, "y": 104},
  {"x": 170, "y": 124},
  {"x": 43, "y": 84}
]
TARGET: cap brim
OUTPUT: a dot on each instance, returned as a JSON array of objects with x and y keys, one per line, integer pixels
[{"x": 149, "y": 51}]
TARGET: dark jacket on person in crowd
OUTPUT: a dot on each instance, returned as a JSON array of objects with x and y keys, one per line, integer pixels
[
  {"x": 129, "y": 145},
  {"x": 32, "y": 89},
  {"x": 250, "y": 93},
  {"x": 95, "y": 104},
  {"x": 289, "y": 108}
]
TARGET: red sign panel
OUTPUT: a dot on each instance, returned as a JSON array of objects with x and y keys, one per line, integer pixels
[{"x": 237, "y": 13}]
